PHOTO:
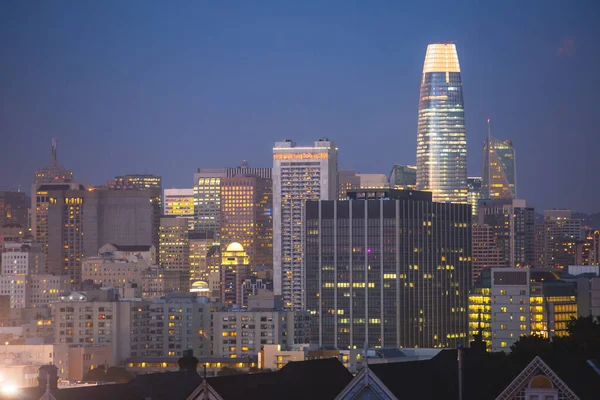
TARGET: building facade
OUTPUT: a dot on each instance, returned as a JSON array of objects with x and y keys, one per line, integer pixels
[
  {"x": 499, "y": 169},
  {"x": 174, "y": 245},
  {"x": 247, "y": 216},
  {"x": 474, "y": 193},
  {"x": 207, "y": 200},
  {"x": 235, "y": 269},
  {"x": 441, "y": 135},
  {"x": 13, "y": 209},
  {"x": 136, "y": 181},
  {"x": 347, "y": 180},
  {"x": 179, "y": 203},
  {"x": 299, "y": 174},
  {"x": 512, "y": 223},
  {"x": 389, "y": 269},
  {"x": 403, "y": 177},
  {"x": 559, "y": 239}
]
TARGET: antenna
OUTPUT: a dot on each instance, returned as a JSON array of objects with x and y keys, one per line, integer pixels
[{"x": 54, "y": 150}]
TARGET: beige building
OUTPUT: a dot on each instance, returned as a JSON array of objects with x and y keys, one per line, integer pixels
[
  {"x": 174, "y": 246},
  {"x": 239, "y": 334},
  {"x": 373, "y": 181},
  {"x": 157, "y": 281},
  {"x": 82, "y": 359},
  {"x": 200, "y": 244}
]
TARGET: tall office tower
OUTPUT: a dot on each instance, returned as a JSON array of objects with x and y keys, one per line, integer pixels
[
  {"x": 174, "y": 247},
  {"x": 180, "y": 203},
  {"x": 71, "y": 222},
  {"x": 247, "y": 216},
  {"x": 245, "y": 169},
  {"x": 513, "y": 225},
  {"x": 499, "y": 170},
  {"x": 13, "y": 209},
  {"x": 442, "y": 137},
  {"x": 136, "y": 181},
  {"x": 474, "y": 193},
  {"x": 200, "y": 244},
  {"x": 560, "y": 232},
  {"x": 207, "y": 200},
  {"x": 53, "y": 173},
  {"x": 389, "y": 268},
  {"x": 403, "y": 177},
  {"x": 299, "y": 174},
  {"x": 486, "y": 250},
  {"x": 235, "y": 269},
  {"x": 373, "y": 181},
  {"x": 347, "y": 180}
]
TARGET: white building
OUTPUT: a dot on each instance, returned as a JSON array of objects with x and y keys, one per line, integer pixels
[
  {"x": 130, "y": 252},
  {"x": 510, "y": 306},
  {"x": 299, "y": 174},
  {"x": 22, "y": 259},
  {"x": 239, "y": 334}
]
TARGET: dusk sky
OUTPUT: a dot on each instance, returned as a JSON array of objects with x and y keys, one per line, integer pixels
[{"x": 167, "y": 87}]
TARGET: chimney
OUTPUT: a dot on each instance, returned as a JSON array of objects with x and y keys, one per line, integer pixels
[
  {"x": 48, "y": 375},
  {"x": 188, "y": 362}
]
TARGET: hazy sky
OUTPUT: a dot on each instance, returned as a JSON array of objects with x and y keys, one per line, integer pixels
[{"x": 167, "y": 87}]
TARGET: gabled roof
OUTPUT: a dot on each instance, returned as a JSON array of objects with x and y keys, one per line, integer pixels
[
  {"x": 313, "y": 379},
  {"x": 366, "y": 380}
]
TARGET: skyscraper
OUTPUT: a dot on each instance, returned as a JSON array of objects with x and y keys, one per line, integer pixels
[
  {"x": 441, "y": 136},
  {"x": 174, "y": 248},
  {"x": 53, "y": 173},
  {"x": 180, "y": 203},
  {"x": 390, "y": 268},
  {"x": 474, "y": 193},
  {"x": 247, "y": 216},
  {"x": 207, "y": 200},
  {"x": 299, "y": 174},
  {"x": 499, "y": 171},
  {"x": 136, "y": 181}
]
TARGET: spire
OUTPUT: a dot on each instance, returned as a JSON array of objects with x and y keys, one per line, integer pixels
[{"x": 54, "y": 151}]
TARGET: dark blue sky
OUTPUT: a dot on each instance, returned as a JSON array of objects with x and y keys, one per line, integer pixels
[{"x": 166, "y": 87}]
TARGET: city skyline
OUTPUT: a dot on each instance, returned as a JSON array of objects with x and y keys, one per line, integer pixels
[{"x": 226, "y": 79}]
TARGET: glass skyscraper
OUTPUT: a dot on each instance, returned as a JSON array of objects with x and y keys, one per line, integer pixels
[
  {"x": 441, "y": 136},
  {"x": 499, "y": 172}
]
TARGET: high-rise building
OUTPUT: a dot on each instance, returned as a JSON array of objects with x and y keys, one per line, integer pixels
[
  {"x": 487, "y": 250},
  {"x": 347, "y": 180},
  {"x": 207, "y": 194},
  {"x": 499, "y": 170},
  {"x": 235, "y": 269},
  {"x": 180, "y": 203},
  {"x": 513, "y": 225},
  {"x": 53, "y": 173},
  {"x": 442, "y": 137},
  {"x": 247, "y": 216},
  {"x": 388, "y": 268},
  {"x": 200, "y": 244},
  {"x": 174, "y": 247},
  {"x": 13, "y": 209},
  {"x": 299, "y": 174},
  {"x": 474, "y": 193},
  {"x": 589, "y": 250},
  {"x": 136, "y": 181},
  {"x": 207, "y": 200},
  {"x": 560, "y": 236},
  {"x": 71, "y": 222},
  {"x": 403, "y": 177}
]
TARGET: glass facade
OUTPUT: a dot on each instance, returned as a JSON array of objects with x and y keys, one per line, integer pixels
[
  {"x": 499, "y": 171},
  {"x": 393, "y": 273},
  {"x": 441, "y": 136},
  {"x": 474, "y": 193}
]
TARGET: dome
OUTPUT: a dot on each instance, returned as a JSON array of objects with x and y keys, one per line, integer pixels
[
  {"x": 200, "y": 284},
  {"x": 235, "y": 246}
]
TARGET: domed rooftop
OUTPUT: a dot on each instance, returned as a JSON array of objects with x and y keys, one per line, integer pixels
[{"x": 235, "y": 246}]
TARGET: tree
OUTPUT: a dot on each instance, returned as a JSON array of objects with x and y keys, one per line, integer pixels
[{"x": 527, "y": 347}]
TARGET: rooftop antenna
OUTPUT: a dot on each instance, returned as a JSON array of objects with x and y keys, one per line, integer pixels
[{"x": 54, "y": 150}]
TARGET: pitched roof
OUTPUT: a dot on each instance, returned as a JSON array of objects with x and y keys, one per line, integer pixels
[{"x": 312, "y": 379}]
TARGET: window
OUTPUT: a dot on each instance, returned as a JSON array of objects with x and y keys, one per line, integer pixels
[{"x": 503, "y": 344}]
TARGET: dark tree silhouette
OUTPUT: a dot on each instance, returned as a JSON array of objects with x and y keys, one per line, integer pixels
[{"x": 113, "y": 374}]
